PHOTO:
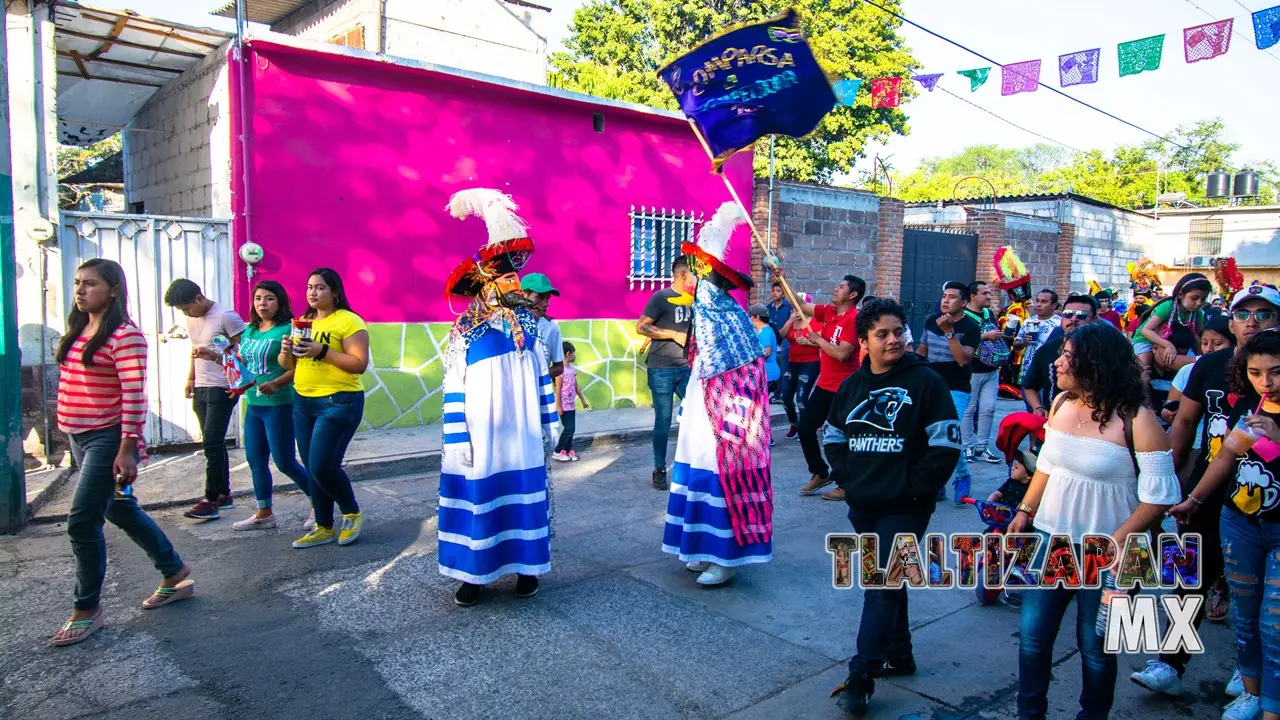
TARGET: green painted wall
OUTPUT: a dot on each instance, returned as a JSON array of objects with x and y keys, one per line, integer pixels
[{"x": 403, "y": 383}]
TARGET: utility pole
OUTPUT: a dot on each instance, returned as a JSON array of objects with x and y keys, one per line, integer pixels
[{"x": 13, "y": 486}]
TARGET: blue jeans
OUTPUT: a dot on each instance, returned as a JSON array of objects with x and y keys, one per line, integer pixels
[
  {"x": 1251, "y": 550},
  {"x": 962, "y": 479},
  {"x": 663, "y": 384},
  {"x": 1042, "y": 612},
  {"x": 784, "y": 370},
  {"x": 325, "y": 426},
  {"x": 799, "y": 379},
  {"x": 268, "y": 434},
  {"x": 884, "y": 632},
  {"x": 95, "y": 501}
]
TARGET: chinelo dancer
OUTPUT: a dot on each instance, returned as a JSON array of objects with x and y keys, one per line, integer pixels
[
  {"x": 720, "y": 507},
  {"x": 493, "y": 518}
]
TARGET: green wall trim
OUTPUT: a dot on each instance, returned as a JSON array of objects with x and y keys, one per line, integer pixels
[{"x": 403, "y": 384}]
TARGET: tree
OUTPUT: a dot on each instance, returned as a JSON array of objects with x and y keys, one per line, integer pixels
[
  {"x": 616, "y": 47},
  {"x": 1126, "y": 176},
  {"x": 72, "y": 159}
]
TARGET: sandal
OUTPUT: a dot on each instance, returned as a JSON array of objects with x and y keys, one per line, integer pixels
[
  {"x": 88, "y": 626},
  {"x": 184, "y": 589},
  {"x": 165, "y": 595}
]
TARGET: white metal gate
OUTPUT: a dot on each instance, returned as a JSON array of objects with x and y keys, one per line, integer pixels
[{"x": 154, "y": 251}]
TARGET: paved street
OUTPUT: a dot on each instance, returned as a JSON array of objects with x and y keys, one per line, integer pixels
[{"x": 619, "y": 629}]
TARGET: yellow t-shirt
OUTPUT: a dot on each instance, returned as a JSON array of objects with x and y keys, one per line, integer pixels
[{"x": 314, "y": 378}]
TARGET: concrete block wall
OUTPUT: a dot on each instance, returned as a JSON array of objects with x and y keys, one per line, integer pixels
[
  {"x": 323, "y": 20},
  {"x": 178, "y": 160},
  {"x": 822, "y": 234},
  {"x": 1106, "y": 239},
  {"x": 478, "y": 35}
]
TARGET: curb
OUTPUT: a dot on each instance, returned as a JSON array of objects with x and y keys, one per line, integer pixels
[
  {"x": 379, "y": 468},
  {"x": 44, "y": 496}
]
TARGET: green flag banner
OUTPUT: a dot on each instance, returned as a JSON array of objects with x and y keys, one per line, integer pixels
[
  {"x": 1138, "y": 56},
  {"x": 977, "y": 77}
]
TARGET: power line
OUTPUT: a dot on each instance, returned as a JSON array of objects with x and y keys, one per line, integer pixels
[
  {"x": 1234, "y": 31},
  {"x": 1072, "y": 98},
  {"x": 1007, "y": 121}
]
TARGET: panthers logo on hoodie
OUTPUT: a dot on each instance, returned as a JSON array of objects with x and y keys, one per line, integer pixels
[{"x": 880, "y": 409}]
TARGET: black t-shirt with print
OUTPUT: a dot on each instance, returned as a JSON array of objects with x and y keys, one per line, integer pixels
[
  {"x": 1254, "y": 488},
  {"x": 1209, "y": 385}
]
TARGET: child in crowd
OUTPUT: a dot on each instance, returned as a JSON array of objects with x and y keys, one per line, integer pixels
[
  {"x": 1021, "y": 468},
  {"x": 569, "y": 393}
]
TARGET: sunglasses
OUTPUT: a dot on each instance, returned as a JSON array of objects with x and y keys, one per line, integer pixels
[
  {"x": 1259, "y": 315},
  {"x": 1077, "y": 314}
]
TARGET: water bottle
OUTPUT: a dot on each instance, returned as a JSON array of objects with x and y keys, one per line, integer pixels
[{"x": 1104, "y": 608}]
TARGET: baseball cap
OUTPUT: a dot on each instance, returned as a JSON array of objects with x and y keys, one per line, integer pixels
[
  {"x": 1257, "y": 292},
  {"x": 539, "y": 283}
]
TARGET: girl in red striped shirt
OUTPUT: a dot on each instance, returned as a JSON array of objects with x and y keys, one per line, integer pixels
[{"x": 102, "y": 406}]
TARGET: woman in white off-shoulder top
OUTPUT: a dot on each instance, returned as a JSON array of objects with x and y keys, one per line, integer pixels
[{"x": 1085, "y": 483}]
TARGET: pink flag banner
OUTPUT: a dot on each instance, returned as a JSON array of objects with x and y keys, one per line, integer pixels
[
  {"x": 1020, "y": 77},
  {"x": 886, "y": 92},
  {"x": 1266, "y": 27},
  {"x": 1079, "y": 68},
  {"x": 1208, "y": 41},
  {"x": 928, "y": 82}
]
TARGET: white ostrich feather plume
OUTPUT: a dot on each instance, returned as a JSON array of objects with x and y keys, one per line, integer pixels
[
  {"x": 713, "y": 238},
  {"x": 496, "y": 208}
]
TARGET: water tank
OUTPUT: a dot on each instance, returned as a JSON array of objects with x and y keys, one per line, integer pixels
[
  {"x": 1246, "y": 184},
  {"x": 1218, "y": 184}
]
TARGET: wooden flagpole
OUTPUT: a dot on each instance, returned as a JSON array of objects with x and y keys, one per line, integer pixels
[{"x": 760, "y": 241}]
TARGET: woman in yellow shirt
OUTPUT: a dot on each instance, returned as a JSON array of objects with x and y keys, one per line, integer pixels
[{"x": 329, "y": 404}]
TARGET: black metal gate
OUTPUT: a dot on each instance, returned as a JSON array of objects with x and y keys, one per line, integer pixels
[{"x": 931, "y": 258}]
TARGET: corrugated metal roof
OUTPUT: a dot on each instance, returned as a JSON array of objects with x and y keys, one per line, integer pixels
[
  {"x": 110, "y": 62},
  {"x": 1030, "y": 197},
  {"x": 267, "y": 12}
]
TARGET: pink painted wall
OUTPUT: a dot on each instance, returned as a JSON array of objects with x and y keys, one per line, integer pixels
[{"x": 353, "y": 161}]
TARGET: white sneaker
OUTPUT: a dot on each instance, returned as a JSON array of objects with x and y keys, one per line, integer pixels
[
  {"x": 1236, "y": 684},
  {"x": 560, "y": 456},
  {"x": 1245, "y": 707},
  {"x": 716, "y": 575},
  {"x": 697, "y": 566},
  {"x": 1159, "y": 677}
]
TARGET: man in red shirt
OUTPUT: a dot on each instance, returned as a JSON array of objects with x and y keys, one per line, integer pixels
[{"x": 838, "y": 344}]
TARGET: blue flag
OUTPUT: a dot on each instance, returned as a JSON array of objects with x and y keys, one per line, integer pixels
[{"x": 750, "y": 82}]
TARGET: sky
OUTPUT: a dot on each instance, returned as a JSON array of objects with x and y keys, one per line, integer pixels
[{"x": 1240, "y": 87}]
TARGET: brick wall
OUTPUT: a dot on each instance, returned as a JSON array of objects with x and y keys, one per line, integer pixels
[
  {"x": 1036, "y": 240},
  {"x": 822, "y": 234}
]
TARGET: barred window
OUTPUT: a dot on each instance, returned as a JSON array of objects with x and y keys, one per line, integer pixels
[
  {"x": 656, "y": 236},
  {"x": 1205, "y": 237}
]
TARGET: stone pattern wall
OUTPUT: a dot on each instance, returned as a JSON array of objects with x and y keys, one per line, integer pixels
[
  {"x": 404, "y": 382},
  {"x": 179, "y": 162}
]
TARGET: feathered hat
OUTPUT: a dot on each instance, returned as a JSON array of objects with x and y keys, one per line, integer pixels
[
  {"x": 706, "y": 259},
  {"x": 1011, "y": 274},
  {"x": 1228, "y": 277},
  {"x": 509, "y": 245},
  {"x": 1144, "y": 278}
]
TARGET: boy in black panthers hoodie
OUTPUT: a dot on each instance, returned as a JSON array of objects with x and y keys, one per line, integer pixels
[{"x": 893, "y": 440}]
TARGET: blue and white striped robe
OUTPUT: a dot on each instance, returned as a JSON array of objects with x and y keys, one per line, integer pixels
[{"x": 493, "y": 513}]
